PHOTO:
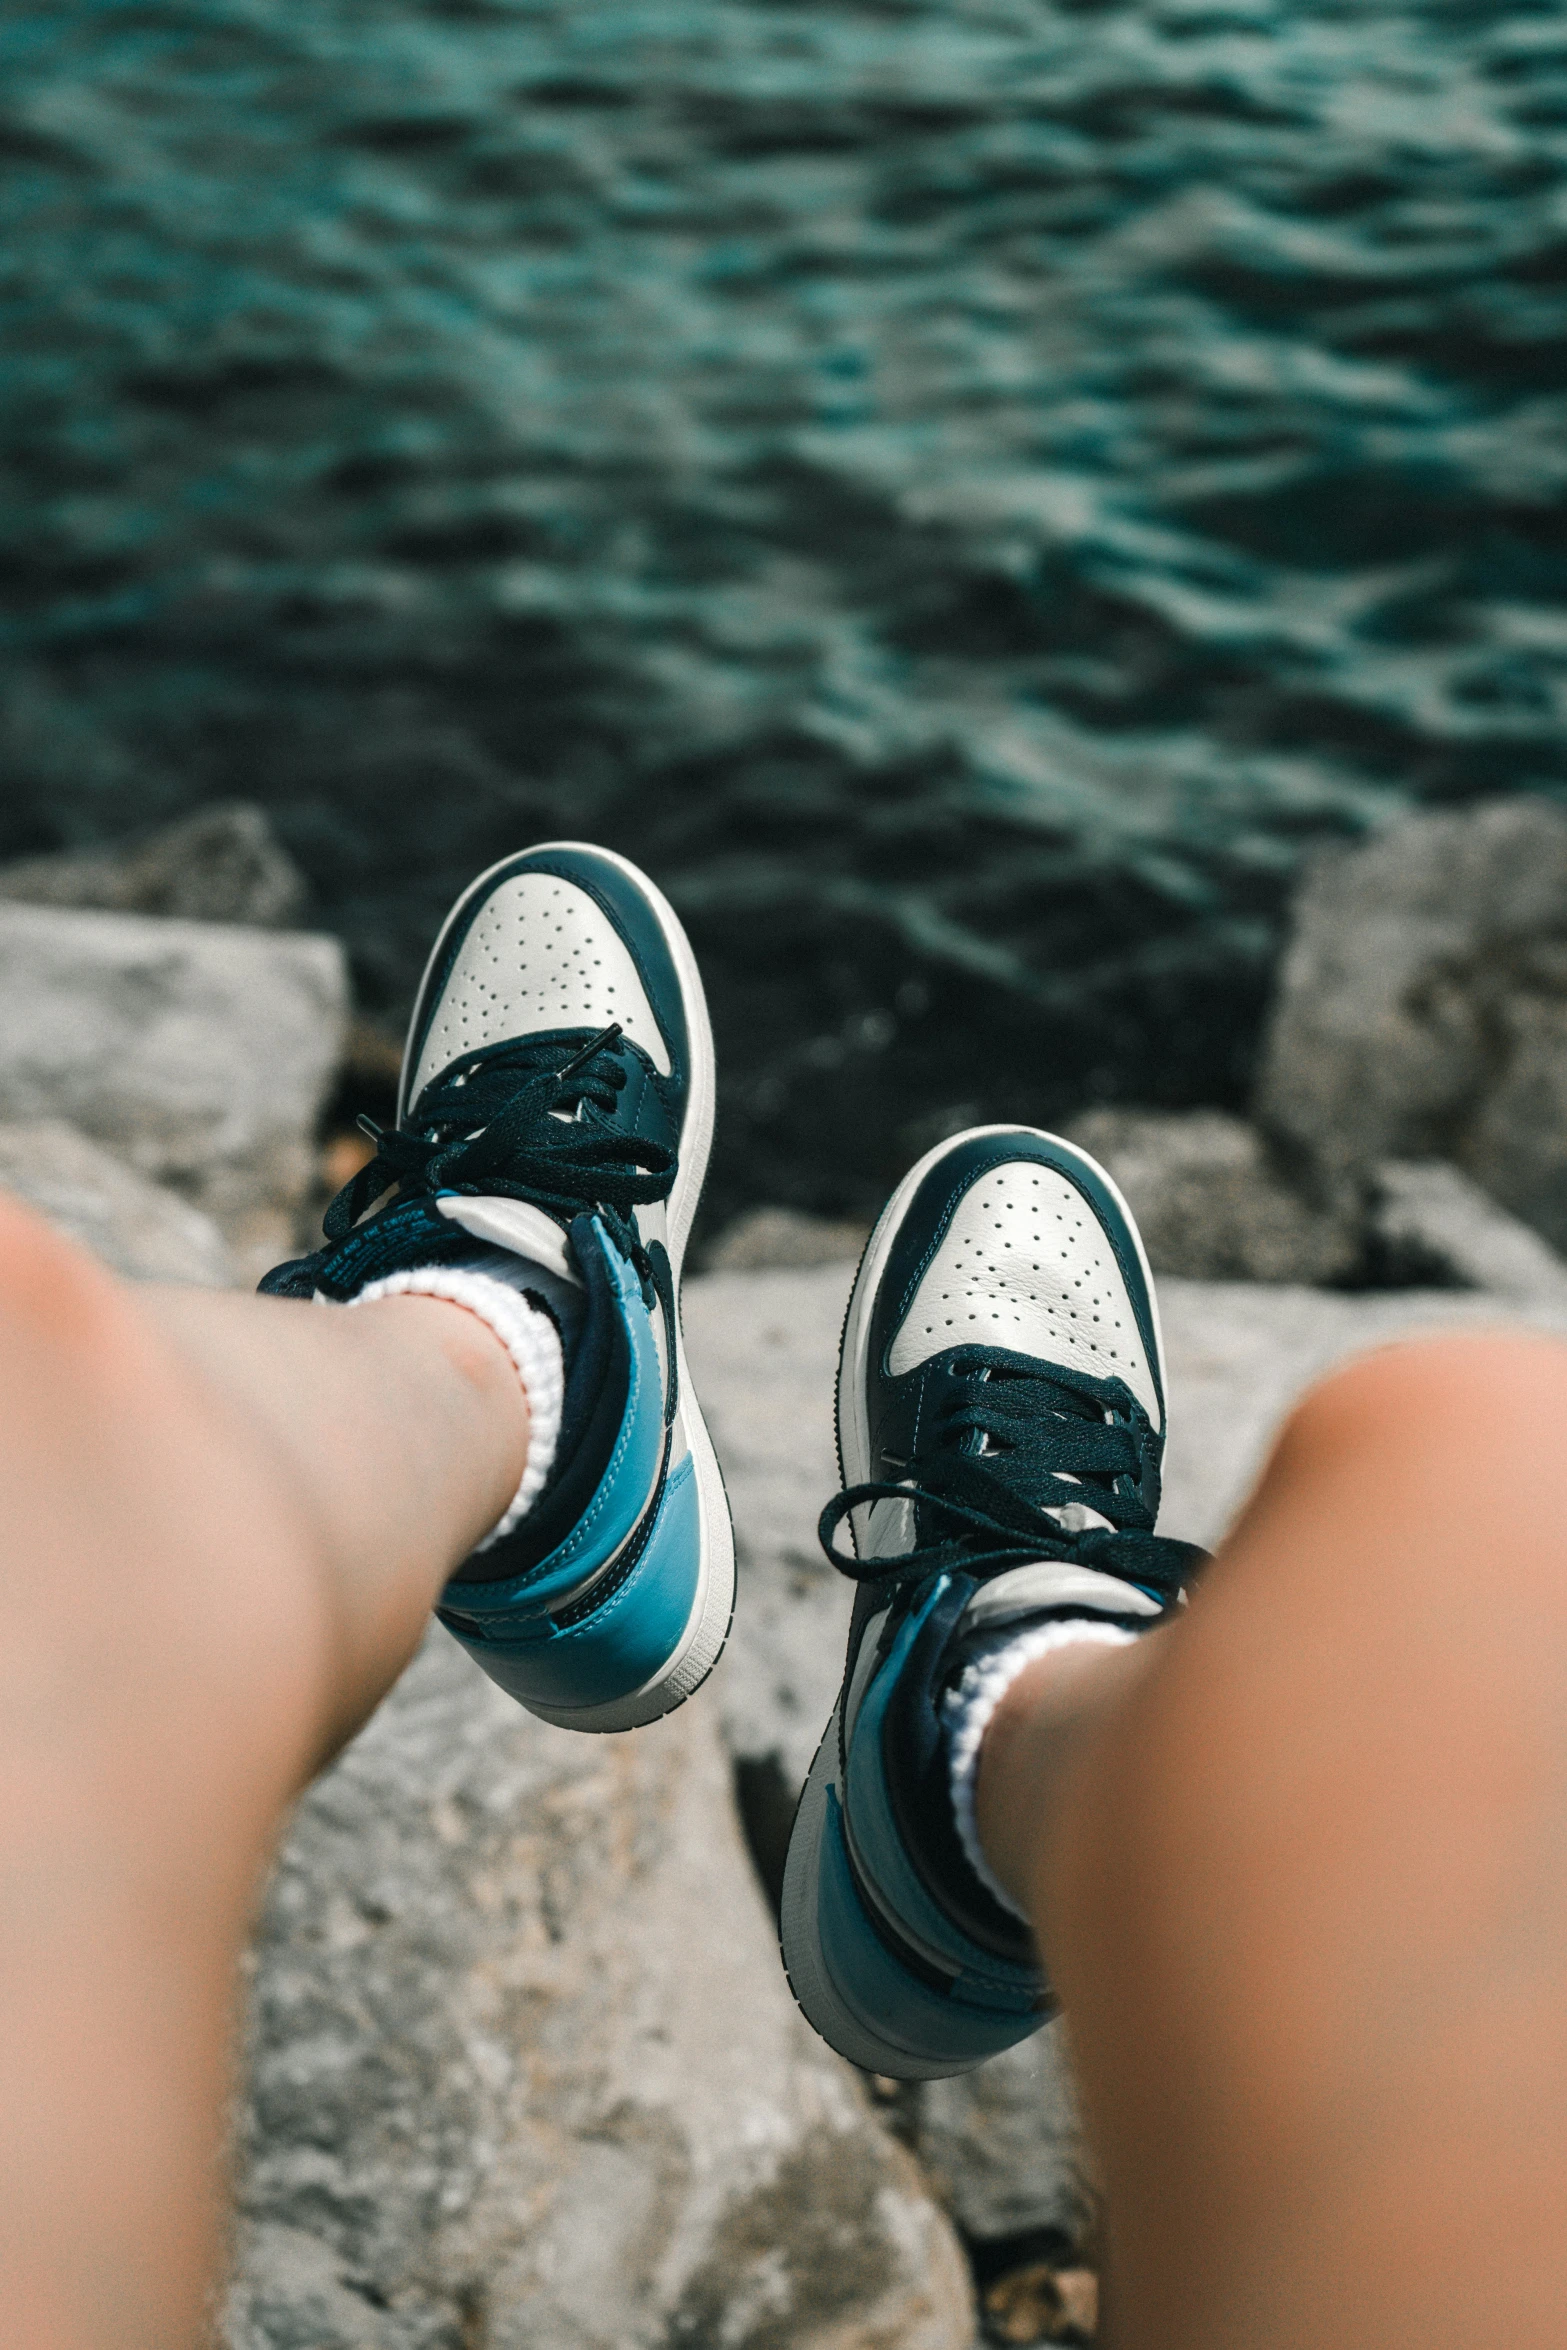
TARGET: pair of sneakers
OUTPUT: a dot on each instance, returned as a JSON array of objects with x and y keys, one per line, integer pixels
[{"x": 1000, "y": 1421}]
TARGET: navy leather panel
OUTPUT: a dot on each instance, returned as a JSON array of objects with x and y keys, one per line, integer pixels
[
  {"x": 409, "y": 1232},
  {"x": 916, "y": 1771},
  {"x": 997, "y": 1968}
]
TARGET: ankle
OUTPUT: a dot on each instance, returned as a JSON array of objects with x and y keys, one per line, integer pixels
[
  {"x": 1031, "y": 1740},
  {"x": 506, "y": 1350}
]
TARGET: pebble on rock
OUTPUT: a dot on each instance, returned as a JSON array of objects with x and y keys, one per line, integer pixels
[{"x": 1043, "y": 2304}]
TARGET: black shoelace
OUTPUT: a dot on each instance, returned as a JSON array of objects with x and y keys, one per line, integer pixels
[
  {"x": 1008, "y": 1445},
  {"x": 514, "y": 1121}
]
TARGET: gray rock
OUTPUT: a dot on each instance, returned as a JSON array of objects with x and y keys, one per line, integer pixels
[
  {"x": 525, "y": 2070},
  {"x": 1422, "y": 1007},
  {"x": 199, "y": 1054},
  {"x": 1241, "y": 1355},
  {"x": 1004, "y": 2147},
  {"x": 1212, "y": 1201},
  {"x": 1515, "y": 1141},
  {"x": 136, "y": 1227},
  {"x": 766, "y": 1237},
  {"x": 1427, "y": 1213},
  {"x": 223, "y": 864},
  {"x": 764, "y": 1351}
]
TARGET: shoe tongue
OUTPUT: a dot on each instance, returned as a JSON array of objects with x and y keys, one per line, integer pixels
[
  {"x": 561, "y": 1292},
  {"x": 1051, "y": 1584},
  {"x": 1076, "y": 1517},
  {"x": 518, "y": 1226}
]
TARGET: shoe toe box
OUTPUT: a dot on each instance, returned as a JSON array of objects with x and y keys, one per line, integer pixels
[
  {"x": 539, "y": 952},
  {"x": 1026, "y": 1263}
]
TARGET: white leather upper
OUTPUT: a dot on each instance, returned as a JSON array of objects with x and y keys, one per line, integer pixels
[
  {"x": 1025, "y": 1264},
  {"x": 538, "y": 954}
]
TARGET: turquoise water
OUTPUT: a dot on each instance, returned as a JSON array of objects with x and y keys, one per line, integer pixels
[{"x": 965, "y": 492}]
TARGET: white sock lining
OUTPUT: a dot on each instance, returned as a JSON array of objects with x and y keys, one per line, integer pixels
[
  {"x": 533, "y": 1343},
  {"x": 969, "y": 1707}
]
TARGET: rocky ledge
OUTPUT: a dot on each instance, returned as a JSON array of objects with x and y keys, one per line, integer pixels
[
  {"x": 524, "y": 2071},
  {"x": 523, "y": 2067}
]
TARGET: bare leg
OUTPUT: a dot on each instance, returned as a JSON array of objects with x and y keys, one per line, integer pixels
[
  {"x": 398, "y": 1430},
  {"x": 1299, "y": 1866},
  {"x": 225, "y": 1521}
]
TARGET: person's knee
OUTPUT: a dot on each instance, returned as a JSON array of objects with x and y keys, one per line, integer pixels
[
  {"x": 102, "y": 1423},
  {"x": 86, "y": 1381},
  {"x": 1461, "y": 1431},
  {"x": 1510, "y": 1377},
  {"x": 1394, "y": 1598},
  {"x": 52, "y": 1293},
  {"x": 77, "y": 1375}
]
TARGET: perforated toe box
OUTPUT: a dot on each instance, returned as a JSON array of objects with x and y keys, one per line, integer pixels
[
  {"x": 540, "y": 953},
  {"x": 1026, "y": 1264}
]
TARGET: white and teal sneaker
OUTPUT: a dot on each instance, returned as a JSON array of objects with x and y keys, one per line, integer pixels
[
  {"x": 553, "y": 1129},
  {"x": 1000, "y": 1430}
]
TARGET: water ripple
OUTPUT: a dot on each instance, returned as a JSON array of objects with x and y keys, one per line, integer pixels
[{"x": 967, "y": 491}]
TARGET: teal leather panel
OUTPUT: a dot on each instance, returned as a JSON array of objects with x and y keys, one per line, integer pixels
[
  {"x": 885, "y": 1996},
  {"x": 622, "y": 1496},
  {"x": 624, "y": 1644},
  {"x": 883, "y": 1861}
]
